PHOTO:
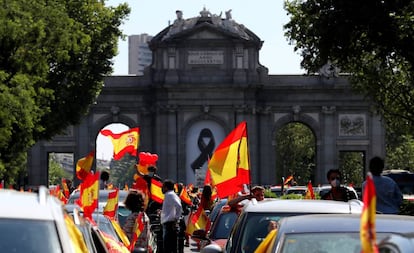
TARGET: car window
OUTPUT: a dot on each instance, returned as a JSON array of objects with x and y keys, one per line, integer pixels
[
  {"x": 322, "y": 242},
  {"x": 255, "y": 229},
  {"x": 223, "y": 225},
  {"x": 25, "y": 235}
]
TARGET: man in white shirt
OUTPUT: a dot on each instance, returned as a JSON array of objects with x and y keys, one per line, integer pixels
[{"x": 170, "y": 214}]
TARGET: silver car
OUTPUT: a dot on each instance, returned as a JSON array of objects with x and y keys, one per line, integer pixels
[
  {"x": 339, "y": 233},
  {"x": 252, "y": 225}
]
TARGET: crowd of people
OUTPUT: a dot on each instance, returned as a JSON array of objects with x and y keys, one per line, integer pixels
[{"x": 174, "y": 213}]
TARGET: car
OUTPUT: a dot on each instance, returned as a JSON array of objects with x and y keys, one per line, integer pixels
[
  {"x": 278, "y": 190},
  {"x": 220, "y": 229},
  {"x": 339, "y": 233},
  {"x": 396, "y": 243},
  {"x": 251, "y": 226},
  {"x": 33, "y": 222},
  {"x": 323, "y": 189},
  {"x": 300, "y": 190},
  {"x": 122, "y": 212},
  {"x": 404, "y": 180}
]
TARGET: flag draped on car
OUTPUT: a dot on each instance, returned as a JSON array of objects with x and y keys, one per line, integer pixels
[
  {"x": 229, "y": 166},
  {"x": 111, "y": 205},
  {"x": 84, "y": 165},
  {"x": 367, "y": 229},
  {"x": 89, "y": 189},
  {"x": 123, "y": 143}
]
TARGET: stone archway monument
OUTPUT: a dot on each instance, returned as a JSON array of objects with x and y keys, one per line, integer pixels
[{"x": 206, "y": 74}]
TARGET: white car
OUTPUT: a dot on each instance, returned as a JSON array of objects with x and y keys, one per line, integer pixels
[
  {"x": 33, "y": 222},
  {"x": 252, "y": 225}
]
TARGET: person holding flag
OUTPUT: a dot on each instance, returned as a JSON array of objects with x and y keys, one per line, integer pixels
[{"x": 137, "y": 227}]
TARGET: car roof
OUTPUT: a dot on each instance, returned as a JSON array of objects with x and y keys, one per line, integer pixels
[
  {"x": 29, "y": 205},
  {"x": 314, "y": 223},
  {"x": 76, "y": 194},
  {"x": 304, "y": 206}
]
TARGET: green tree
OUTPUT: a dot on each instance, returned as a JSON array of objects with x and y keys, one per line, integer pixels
[
  {"x": 56, "y": 172},
  {"x": 400, "y": 152},
  {"x": 54, "y": 56},
  {"x": 370, "y": 40},
  {"x": 123, "y": 170},
  {"x": 295, "y": 152}
]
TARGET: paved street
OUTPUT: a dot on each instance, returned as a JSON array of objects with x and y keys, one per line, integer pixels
[{"x": 192, "y": 248}]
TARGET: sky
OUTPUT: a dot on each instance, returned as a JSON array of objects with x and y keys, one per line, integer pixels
[{"x": 265, "y": 18}]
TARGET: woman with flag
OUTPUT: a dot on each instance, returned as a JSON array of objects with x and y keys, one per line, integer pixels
[{"x": 137, "y": 226}]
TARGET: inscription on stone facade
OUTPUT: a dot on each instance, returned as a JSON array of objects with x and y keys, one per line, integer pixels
[{"x": 205, "y": 57}]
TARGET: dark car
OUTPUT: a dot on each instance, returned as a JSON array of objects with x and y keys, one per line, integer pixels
[
  {"x": 338, "y": 233},
  {"x": 220, "y": 228}
]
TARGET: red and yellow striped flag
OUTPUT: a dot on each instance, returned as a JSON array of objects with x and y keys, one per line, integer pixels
[
  {"x": 309, "y": 191},
  {"x": 156, "y": 191},
  {"x": 125, "y": 142},
  {"x": 88, "y": 200},
  {"x": 185, "y": 197},
  {"x": 111, "y": 205},
  {"x": 229, "y": 166},
  {"x": 138, "y": 228},
  {"x": 65, "y": 188},
  {"x": 84, "y": 165},
  {"x": 367, "y": 229}
]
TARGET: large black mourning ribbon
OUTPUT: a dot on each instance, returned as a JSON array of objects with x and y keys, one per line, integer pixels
[{"x": 206, "y": 149}]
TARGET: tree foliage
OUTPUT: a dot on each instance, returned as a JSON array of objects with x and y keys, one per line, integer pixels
[
  {"x": 54, "y": 56},
  {"x": 296, "y": 152},
  {"x": 370, "y": 40},
  {"x": 123, "y": 170}
]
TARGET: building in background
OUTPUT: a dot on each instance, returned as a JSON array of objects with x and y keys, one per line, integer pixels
[{"x": 139, "y": 54}]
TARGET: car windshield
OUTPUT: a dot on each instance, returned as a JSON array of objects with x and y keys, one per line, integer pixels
[
  {"x": 25, "y": 236},
  {"x": 256, "y": 229},
  {"x": 343, "y": 242}
]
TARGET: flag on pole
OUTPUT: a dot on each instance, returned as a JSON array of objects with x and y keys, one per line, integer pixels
[
  {"x": 229, "y": 166},
  {"x": 111, "y": 205},
  {"x": 84, "y": 165},
  {"x": 138, "y": 228},
  {"x": 156, "y": 191},
  {"x": 185, "y": 197},
  {"x": 309, "y": 191},
  {"x": 367, "y": 229},
  {"x": 287, "y": 181},
  {"x": 89, "y": 189},
  {"x": 198, "y": 220},
  {"x": 65, "y": 188},
  {"x": 125, "y": 142}
]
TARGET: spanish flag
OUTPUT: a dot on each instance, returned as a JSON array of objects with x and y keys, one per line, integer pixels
[
  {"x": 125, "y": 142},
  {"x": 229, "y": 165},
  {"x": 185, "y": 197},
  {"x": 84, "y": 165},
  {"x": 88, "y": 200},
  {"x": 367, "y": 229},
  {"x": 309, "y": 192},
  {"x": 156, "y": 191},
  {"x": 287, "y": 180},
  {"x": 65, "y": 188},
  {"x": 112, "y": 204},
  {"x": 198, "y": 220},
  {"x": 138, "y": 228}
]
